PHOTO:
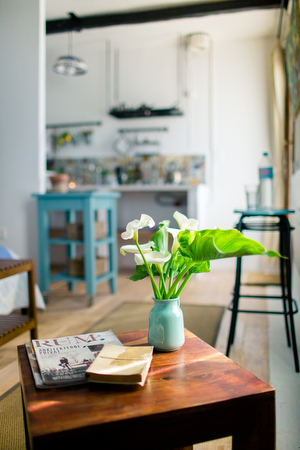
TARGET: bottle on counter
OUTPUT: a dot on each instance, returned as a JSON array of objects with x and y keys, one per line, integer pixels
[{"x": 265, "y": 182}]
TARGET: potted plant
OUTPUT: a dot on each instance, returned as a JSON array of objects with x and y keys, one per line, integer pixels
[
  {"x": 60, "y": 182},
  {"x": 169, "y": 271}
]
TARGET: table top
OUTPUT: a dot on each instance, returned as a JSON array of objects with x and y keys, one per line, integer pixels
[
  {"x": 76, "y": 194},
  {"x": 264, "y": 212},
  {"x": 196, "y": 379}
]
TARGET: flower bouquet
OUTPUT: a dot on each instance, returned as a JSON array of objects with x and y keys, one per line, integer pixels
[{"x": 191, "y": 252}]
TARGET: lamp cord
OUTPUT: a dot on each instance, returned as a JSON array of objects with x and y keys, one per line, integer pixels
[{"x": 70, "y": 44}]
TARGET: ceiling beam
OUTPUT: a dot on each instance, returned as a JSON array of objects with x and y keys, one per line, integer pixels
[{"x": 75, "y": 23}]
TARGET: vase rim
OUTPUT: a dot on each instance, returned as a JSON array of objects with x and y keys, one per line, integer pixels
[{"x": 165, "y": 299}]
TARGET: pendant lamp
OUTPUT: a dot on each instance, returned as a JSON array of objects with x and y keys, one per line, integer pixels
[{"x": 70, "y": 65}]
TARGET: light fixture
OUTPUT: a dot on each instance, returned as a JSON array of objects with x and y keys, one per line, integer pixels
[
  {"x": 198, "y": 42},
  {"x": 70, "y": 65}
]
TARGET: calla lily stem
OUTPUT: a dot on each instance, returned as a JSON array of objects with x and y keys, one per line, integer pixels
[
  {"x": 154, "y": 285},
  {"x": 160, "y": 271},
  {"x": 183, "y": 284},
  {"x": 178, "y": 278}
]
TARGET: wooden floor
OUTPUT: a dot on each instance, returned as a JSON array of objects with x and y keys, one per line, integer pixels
[{"x": 67, "y": 314}]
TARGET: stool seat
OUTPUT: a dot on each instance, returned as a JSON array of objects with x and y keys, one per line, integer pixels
[
  {"x": 264, "y": 212},
  {"x": 289, "y": 305}
]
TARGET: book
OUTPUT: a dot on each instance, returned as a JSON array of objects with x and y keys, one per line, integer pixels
[
  {"x": 62, "y": 361},
  {"x": 121, "y": 365}
]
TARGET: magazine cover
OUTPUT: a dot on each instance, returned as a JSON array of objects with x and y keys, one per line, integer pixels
[
  {"x": 63, "y": 361},
  {"x": 35, "y": 368}
]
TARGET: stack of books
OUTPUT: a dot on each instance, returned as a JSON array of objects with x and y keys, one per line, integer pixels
[{"x": 96, "y": 357}]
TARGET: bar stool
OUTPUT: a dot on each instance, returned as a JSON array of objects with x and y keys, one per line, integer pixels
[{"x": 289, "y": 305}]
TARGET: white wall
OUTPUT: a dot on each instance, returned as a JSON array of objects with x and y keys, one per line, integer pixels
[
  {"x": 240, "y": 113},
  {"x": 147, "y": 75},
  {"x": 241, "y": 130},
  {"x": 240, "y": 102},
  {"x": 22, "y": 119}
]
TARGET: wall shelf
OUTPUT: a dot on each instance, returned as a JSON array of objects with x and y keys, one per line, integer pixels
[
  {"x": 142, "y": 130},
  {"x": 144, "y": 112},
  {"x": 74, "y": 124}
]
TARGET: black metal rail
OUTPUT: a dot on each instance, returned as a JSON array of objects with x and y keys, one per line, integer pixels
[{"x": 75, "y": 23}]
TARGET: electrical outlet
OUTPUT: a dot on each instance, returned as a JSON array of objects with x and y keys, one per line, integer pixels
[{"x": 3, "y": 234}]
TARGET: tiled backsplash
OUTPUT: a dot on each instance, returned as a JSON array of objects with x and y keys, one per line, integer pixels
[{"x": 138, "y": 169}]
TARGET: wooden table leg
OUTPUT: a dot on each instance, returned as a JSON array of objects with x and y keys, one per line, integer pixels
[
  {"x": 260, "y": 434},
  {"x": 189, "y": 447}
]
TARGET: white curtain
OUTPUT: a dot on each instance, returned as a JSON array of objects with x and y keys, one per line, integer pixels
[{"x": 279, "y": 92}]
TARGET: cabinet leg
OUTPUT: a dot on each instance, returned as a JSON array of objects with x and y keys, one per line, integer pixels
[
  {"x": 113, "y": 285},
  {"x": 71, "y": 285}
]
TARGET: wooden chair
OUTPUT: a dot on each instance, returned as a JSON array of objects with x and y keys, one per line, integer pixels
[{"x": 13, "y": 325}]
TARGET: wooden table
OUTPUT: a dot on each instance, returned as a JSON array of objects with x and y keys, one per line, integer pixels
[{"x": 192, "y": 395}]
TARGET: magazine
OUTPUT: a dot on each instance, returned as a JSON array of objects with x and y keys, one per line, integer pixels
[
  {"x": 63, "y": 361},
  {"x": 35, "y": 368}
]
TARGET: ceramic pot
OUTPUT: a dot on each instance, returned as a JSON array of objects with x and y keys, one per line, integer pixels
[
  {"x": 166, "y": 327},
  {"x": 60, "y": 182}
]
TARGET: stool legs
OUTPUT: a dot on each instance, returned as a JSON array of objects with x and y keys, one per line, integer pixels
[
  {"x": 235, "y": 304},
  {"x": 284, "y": 229},
  {"x": 287, "y": 240},
  {"x": 283, "y": 249},
  {"x": 236, "y": 296}
]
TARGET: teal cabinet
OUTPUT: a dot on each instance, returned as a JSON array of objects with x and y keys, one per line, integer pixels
[{"x": 89, "y": 203}]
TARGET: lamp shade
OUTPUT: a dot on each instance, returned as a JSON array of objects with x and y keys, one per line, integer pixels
[{"x": 70, "y": 66}]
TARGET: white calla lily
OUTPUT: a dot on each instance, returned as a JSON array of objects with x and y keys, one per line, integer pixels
[
  {"x": 135, "y": 225},
  {"x": 191, "y": 252},
  {"x": 174, "y": 232},
  {"x": 146, "y": 248},
  {"x": 151, "y": 258},
  {"x": 185, "y": 223}
]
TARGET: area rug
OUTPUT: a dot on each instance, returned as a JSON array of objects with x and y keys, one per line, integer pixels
[
  {"x": 12, "y": 436},
  {"x": 202, "y": 320}
]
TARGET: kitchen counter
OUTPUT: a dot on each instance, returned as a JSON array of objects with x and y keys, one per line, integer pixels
[
  {"x": 191, "y": 200},
  {"x": 159, "y": 201},
  {"x": 137, "y": 186},
  {"x": 188, "y": 199},
  {"x": 155, "y": 187}
]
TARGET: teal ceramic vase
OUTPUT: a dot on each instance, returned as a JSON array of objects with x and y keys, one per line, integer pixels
[{"x": 166, "y": 327}]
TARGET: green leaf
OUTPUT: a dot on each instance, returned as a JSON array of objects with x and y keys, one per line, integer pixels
[
  {"x": 155, "y": 271},
  {"x": 272, "y": 254},
  {"x": 179, "y": 262},
  {"x": 161, "y": 238},
  {"x": 185, "y": 238},
  {"x": 207, "y": 245},
  {"x": 139, "y": 274},
  {"x": 201, "y": 267}
]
